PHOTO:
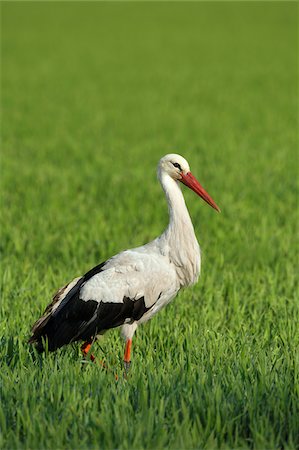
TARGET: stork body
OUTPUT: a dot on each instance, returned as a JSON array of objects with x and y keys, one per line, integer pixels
[{"x": 132, "y": 286}]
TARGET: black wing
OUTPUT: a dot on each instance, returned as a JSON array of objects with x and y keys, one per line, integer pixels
[{"x": 75, "y": 319}]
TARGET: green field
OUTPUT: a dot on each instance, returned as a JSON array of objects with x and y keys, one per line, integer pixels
[{"x": 93, "y": 94}]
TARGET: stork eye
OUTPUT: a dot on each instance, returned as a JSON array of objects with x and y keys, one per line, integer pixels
[{"x": 177, "y": 165}]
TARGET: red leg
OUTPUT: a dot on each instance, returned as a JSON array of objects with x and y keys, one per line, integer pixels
[
  {"x": 127, "y": 356},
  {"x": 85, "y": 349}
]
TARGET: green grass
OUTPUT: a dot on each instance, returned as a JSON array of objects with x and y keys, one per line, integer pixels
[{"x": 93, "y": 94}]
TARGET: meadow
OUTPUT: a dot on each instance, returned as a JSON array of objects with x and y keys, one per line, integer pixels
[{"x": 93, "y": 95}]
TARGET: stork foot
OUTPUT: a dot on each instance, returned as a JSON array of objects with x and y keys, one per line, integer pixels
[{"x": 127, "y": 365}]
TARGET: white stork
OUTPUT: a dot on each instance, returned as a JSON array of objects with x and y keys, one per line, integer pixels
[{"x": 132, "y": 286}]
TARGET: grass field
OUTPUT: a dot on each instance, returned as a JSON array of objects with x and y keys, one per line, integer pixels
[{"x": 93, "y": 94}]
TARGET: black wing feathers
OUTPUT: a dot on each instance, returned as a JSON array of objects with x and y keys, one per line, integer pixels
[
  {"x": 56, "y": 325},
  {"x": 68, "y": 325},
  {"x": 77, "y": 319}
]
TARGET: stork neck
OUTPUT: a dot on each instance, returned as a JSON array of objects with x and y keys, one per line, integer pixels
[
  {"x": 178, "y": 213},
  {"x": 179, "y": 239}
]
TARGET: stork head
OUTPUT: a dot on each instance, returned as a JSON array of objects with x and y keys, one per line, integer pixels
[{"x": 178, "y": 169}]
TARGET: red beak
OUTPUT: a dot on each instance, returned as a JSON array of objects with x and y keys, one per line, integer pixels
[{"x": 192, "y": 183}]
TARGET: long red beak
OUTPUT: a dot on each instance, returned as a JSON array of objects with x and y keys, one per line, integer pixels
[{"x": 192, "y": 183}]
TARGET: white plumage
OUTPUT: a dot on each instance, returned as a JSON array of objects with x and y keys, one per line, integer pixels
[{"x": 132, "y": 286}]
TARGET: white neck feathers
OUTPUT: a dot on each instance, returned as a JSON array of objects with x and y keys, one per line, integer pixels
[{"x": 178, "y": 240}]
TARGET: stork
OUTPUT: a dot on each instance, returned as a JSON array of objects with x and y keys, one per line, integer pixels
[{"x": 131, "y": 287}]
